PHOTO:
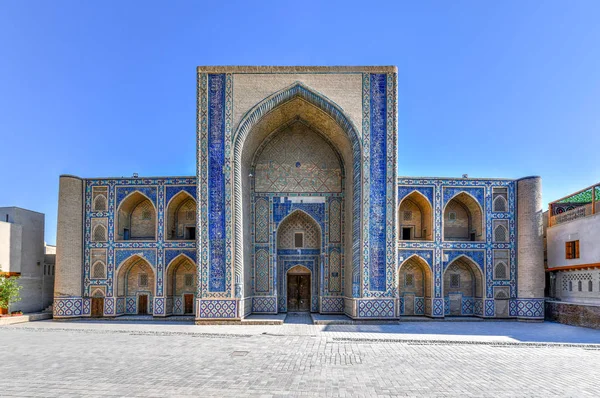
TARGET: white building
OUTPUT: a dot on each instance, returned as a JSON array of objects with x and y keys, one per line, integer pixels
[
  {"x": 23, "y": 253},
  {"x": 573, "y": 253}
]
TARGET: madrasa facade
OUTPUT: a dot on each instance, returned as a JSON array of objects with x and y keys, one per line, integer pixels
[{"x": 296, "y": 205}]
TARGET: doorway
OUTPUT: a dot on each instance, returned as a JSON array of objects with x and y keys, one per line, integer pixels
[
  {"x": 143, "y": 304},
  {"x": 97, "y": 307},
  {"x": 406, "y": 233},
  {"x": 298, "y": 292},
  {"x": 188, "y": 303}
]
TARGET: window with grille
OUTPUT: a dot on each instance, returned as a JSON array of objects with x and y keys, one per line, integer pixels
[
  {"x": 146, "y": 214},
  {"x": 452, "y": 216},
  {"x": 100, "y": 203},
  {"x": 98, "y": 271},
  {"x": 409, "y": 280},
  {"x": 99, "y": 233},
  {"x": 579, "y": 287},
  {"x": 499, "y": 202},
  {"x": 143, "y": 280},
  {"x": 500, "y": 271},
  {"x": 455, "y": 281},
  {"x": 189, "y": 280},
  {"x": 570, "y": 286},
  {"x": 189, "y": 215},
  {"x": 407, "y": 215},
  {"x": 500, "y": 233},
  {"x": 298, "y": 239},
  {"x": 590, "y": 286},
  {"x": 572, "y": 249}
]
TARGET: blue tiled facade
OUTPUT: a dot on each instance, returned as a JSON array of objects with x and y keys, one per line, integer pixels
[{"x": 354, "y": 270}]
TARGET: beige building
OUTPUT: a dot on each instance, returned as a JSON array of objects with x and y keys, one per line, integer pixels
[
  {"x": 573, "y": 258},
  {"x": 23, "y": 253}
]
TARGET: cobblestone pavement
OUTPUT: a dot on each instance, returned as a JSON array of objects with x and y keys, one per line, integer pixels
[{"x": 418, "y": 359}]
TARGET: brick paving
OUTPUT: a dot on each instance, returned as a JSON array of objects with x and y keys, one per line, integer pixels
[{"x": 482, "y": 359}]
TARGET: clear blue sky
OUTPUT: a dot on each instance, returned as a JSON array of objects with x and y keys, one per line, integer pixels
[{"x": 492, "y": 89}]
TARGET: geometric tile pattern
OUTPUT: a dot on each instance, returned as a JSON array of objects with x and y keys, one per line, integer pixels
[
  {"x": 217, "y": 309},
  {"x": 530, "y": 308},
  {"x": 441, "y": 190},
  {"x": 264, "y": 305},
  {"x": 332, "y": 305},
  {"x": 376, "y": 308},
  {"x": 67, "y": 307}
]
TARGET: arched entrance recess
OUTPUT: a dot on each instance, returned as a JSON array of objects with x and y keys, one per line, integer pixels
[
  {"x": 296, "y": 107},
  {"x": 463, "y": 286},
  {"x": 136, "y": 282},
  {"x": 182, "y": 282},
  {"x": 463, "y": 219},
  {"x": 299, "y": 262},
  {"x": 415, "y": 218},
  {"x": 414, "y": 285}
]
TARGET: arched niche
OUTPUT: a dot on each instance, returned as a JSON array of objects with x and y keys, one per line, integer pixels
[
  {"x": 463, "y": 219},
  {"x": 182, "y": 284},
  {"x": 181, "y": 217},
  {"x": 294, "y": 104},
  {"x": 463, "y": 285},
  {"x": 136, "y": 218},
  {"x": 136, "y": 281},
  {"x": 414, "y": 285},
  {"x": 415, "y": 218}
]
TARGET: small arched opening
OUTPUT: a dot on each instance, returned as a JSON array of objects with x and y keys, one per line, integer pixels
[
  {"x": 463, "y": 286},
  {"x": 136, "y": 218},
  {"x": 181, "y": 217},
  {"x": 182, "y": 284},
  {"x": 463, "y": 219},
  {"x": 136, "y": 283},
  {"x": 415, "y": 218},
  {"x": 414, "y": 285}
]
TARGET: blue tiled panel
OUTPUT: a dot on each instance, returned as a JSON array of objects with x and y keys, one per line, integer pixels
[
  {"x": 174, "y": 190},
  {"x": 404, "y": 191},
  {"x": 122, "y": 192},
  {"x": 378, "y": 166},
  {"x": 172, "y": 253},
  {"x": 216, "y": 182}
]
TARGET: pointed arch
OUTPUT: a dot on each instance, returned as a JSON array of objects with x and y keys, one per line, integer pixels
[
  {"x": 100, "y": 203},
  {"x": 181, "y": 217},
  {"x": 415, "y": 217},
  {"x": 136, "y": 218},
  {"x": 292, "y": 102},
  {"x": 500, "y": 233},
  {"x": 500, "y": 204},
  {"x": 298, "y": 221},
  {"x": 463, "y": 283},
  {"x": 181, "y": 280},
  {"x": 99, "y": 233},
  {"x": 130, "y": 276},
  {"x": 298, "y": 269},
  {"x": 500, "y": 270},
  {"x": 421, "y": 285},
  {"x": 99, "y": 270},
  {"x": 98, "y": 293},
  {"x": 463, "y": 219}
]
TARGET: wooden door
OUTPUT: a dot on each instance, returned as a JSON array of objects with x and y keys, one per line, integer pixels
[
  {"x": 298, "y": 293},
  {"x": 188, "y": 303},
  {"x": 97, "y": 307},
  {"x": 143, "y": 304},
  {"x": 292, "y": 292},
  {"x": 455, "y": 304},
  {"x": 304, "y": 292}
]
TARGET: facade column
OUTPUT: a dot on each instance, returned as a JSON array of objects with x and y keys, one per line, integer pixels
[
  {"x": 68, "y": 300},
  {"x": 530, "y": 249}
]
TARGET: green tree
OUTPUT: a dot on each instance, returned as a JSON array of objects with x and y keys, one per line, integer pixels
[{"x": 9, "y": 291}]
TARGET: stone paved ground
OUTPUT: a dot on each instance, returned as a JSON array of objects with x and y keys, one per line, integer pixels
[{"x": 492, "y": 359}]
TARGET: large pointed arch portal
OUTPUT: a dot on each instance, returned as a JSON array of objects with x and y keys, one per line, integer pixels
[{"x": 228, "y": 244}]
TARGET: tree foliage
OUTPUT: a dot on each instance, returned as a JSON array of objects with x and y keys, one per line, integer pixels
[{"x": 9, "y": 291}]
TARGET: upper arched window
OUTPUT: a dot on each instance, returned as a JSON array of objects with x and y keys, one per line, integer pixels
[
  {"x": 99, "y": 270},
  {"x": 99, "y": 234},
  {"x": 463, "y": 219},
  {"x": 500, "y": 234},
  {"x": 136, "y": 218},
  {"x": 499, "y": 199}
]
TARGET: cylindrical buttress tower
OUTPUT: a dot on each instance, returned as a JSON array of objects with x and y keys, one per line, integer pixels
[
  {"x": 530, "y": 249},
  {"x": 69, "y": 248}
]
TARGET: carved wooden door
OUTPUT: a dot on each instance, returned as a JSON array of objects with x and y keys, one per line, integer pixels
[
  {"x": 143, "y": 304},
  {"x": 97, "y": 307},
  {"x": 188, "y": 304},
  {"x": 298, "y": 293}
]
